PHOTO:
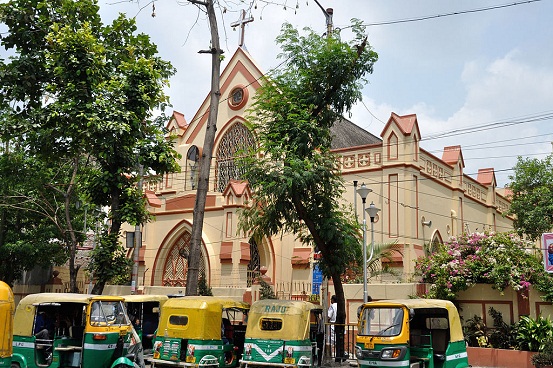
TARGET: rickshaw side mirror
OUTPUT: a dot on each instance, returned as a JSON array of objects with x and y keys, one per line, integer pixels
[
  {"x": 155, "y": 310},
  {"x": 411, "y": 314}
]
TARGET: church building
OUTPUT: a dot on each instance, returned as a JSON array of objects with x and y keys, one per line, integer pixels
[{"x": 423, "y": 199}]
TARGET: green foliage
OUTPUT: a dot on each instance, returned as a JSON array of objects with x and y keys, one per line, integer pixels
[
  {"x": 476, "y": 332},
  {"x": 503, "y": 336},
  {"x": 532, "y": 198},
  {"x": 203, "y": 286},
  {"x": 532, "y": 334},
  {"x": 500, "y": 336},
  {"x": 78, "y": 91},
  {"x": 545, "y": 356},
  {"x": 109, "y": 261},
  {"x": 500, "y": 259},
  {"x": 266, "y": 291},
  {"x": 375, "y": 267},
  {"x": 31, "y": 228},
  {"x": 294, "y": 176}
]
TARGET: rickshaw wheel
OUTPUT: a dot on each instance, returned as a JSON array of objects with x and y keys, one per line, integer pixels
[{"x": 15, "y": 365}]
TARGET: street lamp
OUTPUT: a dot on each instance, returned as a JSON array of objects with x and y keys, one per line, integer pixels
[
  {"x": 373, "y": 212},
  {"x": 363, "y": 191}
]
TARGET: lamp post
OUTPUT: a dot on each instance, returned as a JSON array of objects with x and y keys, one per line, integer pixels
[
  {"x": 372, "y": 211},
  {"x": 363, "y": 191}
]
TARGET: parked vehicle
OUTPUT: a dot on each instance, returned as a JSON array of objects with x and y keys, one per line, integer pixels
[
  {"x": 282, "y": 333},
  {"x": 200, "y": 331},
  {"x": 7, "y": 308},
  {"x": 415, "y": 333},
  {"x": 143, "y": 310},
  {"x": 71, "y": 330}
]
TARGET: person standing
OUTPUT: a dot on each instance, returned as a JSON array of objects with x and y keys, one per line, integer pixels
[{"x": 332, "y": 312}]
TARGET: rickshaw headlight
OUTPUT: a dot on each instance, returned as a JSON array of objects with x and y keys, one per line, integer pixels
[
  {"x": 392, "y": 353},
  {"x": 358, "y": 352}
]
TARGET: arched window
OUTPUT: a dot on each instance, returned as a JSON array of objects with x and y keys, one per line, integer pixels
[
  {"x": 192, "y": 162},
  {"x": 176, "y": 264},
  {"x": 236, "y": 139},
  {"x": 255, "y": 263}
]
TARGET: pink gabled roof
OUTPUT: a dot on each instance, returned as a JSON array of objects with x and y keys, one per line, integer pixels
[
  {"x": 486, "y": 176},
  {"x": 406, "y": 123},
  {"x": 179, "y": 118},
  {"x": 238, "y": 187},
  {"x": 452, "y": 155},
  {"x": 153, "y": 199}
]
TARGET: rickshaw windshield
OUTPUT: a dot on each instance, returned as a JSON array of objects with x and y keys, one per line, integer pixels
[
  {"x": 108, "y": 313},
  {"x": 381, "y": 321}
]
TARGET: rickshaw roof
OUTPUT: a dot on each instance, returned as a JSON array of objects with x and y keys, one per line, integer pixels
[
  {"x": 294, "y": 316},
  {"x": 143, "y": 298},
  {"x": 456, "y": 331},
  {"x": 268, "y": 306},
  {"x": 205, "y": 302},
  {"x": 25, "y": 312},
  {"x": 42, "y": 298},
  {"x": 204, "y": 316},
  {"x": 6, "y": 294}
]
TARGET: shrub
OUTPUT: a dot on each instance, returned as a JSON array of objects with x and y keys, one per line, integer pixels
[
  {"x": 500, "y": 259},
  {"x": 545, "y": 356},
  {"x": 532, "y": 334}
]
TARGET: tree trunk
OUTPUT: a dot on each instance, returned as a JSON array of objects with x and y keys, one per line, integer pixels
[{"x": 207, "y": 153}]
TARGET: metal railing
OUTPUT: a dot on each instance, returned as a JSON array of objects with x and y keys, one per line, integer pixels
[{"x": 350, "y": 334}]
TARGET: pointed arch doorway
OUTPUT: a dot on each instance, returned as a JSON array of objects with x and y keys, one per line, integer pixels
[{"x": 176, "y": 262}]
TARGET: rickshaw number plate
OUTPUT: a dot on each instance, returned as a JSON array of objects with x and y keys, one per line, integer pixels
[
  {"x": 289, "y": 360},
  {"x": 190, "y": 359},
  {"x": 369, "y": 345}
]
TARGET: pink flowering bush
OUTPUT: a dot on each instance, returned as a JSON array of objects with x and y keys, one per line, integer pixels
[{"x": 500, "y": 259}]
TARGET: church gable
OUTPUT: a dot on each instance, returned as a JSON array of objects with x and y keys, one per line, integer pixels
[
  {"x": 177, "y": 124},
  {"x": 239, "y": 81},
  {"x": 406, "y": 125}
]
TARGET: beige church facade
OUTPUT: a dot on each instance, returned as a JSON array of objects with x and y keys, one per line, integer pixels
[{"x": 422, "y": 198}]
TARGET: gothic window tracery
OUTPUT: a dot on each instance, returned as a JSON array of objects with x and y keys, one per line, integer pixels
[
  {"x": 237, "y": 138},
  {"x": 255, "y": 263},
  {"x": 176, "y": 264}
]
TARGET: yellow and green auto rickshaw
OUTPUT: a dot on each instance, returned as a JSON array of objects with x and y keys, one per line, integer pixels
[
  {"x": 71, "y": 330},
  {"x": 197, "y": 331},
  {"x": 282, "y": 333},
  {"x": 143, "y": 311},
  {"x": 414, "y": 333},
  {"x": 7, "y": 308}
]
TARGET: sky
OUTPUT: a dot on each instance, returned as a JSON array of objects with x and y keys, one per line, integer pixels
[{"x": 477, "y": 73}]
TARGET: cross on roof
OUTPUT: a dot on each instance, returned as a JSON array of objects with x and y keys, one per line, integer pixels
[{"x": 242, "y": 23}]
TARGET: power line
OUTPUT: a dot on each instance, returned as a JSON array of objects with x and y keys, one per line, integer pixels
[{"x": 435, "y": 16}]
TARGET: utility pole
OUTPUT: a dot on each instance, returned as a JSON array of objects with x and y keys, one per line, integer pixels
[
  {"x": 137, "y": 240},
  {"x": 328, "y": 15},
  {"x": 193, "y": 273}
]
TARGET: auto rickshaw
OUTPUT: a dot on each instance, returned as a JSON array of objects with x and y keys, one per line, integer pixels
[
  {"x": 282, "y": 333},
  {"x": 71, "y": 330},
  {"x": 415, "y": 333},
  {"x": 143, "y": 310},
  {"x": 196, "y": 331},
  {"x": 7, "y": 308}
]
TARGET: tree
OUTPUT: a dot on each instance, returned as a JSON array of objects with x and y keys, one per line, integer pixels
[
  {"x": 193, "y": 273},
  {"x": 532, "y": 196},
  {"x": 294, "y": 176},
  {"x": 25, "y": 231},
  {"x": 86, "y": 98}
]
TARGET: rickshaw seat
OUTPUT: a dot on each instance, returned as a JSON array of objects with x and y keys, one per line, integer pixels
[
  {"x": 76, "y": 332},
  {"x": 439, "y": 343},
  {"x": 43, "y": 343}
]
